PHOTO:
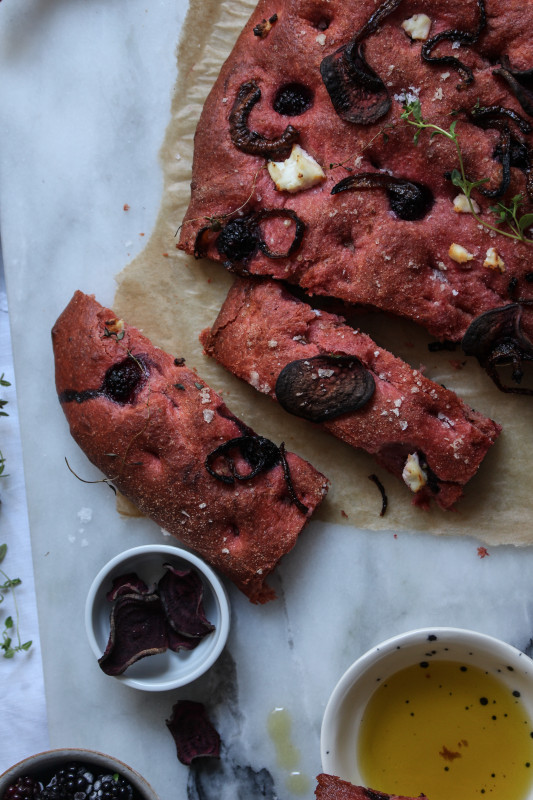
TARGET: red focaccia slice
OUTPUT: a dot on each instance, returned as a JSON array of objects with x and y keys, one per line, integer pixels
[
  {"x": 330, "y": 787},
  {"x": 382, "y": 224},
  {"x": 414, "y": 427},
  {"x": 167, "y": 441}
]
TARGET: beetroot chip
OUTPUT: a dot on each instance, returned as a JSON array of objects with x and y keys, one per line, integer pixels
[
  {"x": 181, "y": 593},
  {"x": 130, "y": 583},
  {"x": 193, "y": 732},
  {"x": 138, "y": 629},
  {"x": 178, "y": 641}
]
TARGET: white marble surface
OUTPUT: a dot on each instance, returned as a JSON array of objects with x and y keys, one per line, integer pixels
[{"x": 84, "y": 100}]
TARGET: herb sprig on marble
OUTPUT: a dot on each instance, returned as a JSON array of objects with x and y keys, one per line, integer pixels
[
  {"x": 511, "y": 222},
  {"x": 11, "y": 640},
  {"x": 3, "y": 413}
]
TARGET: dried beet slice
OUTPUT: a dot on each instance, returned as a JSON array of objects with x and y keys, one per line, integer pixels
[
  {"x": 324, "y": 387},
  {"x": 181, "y": 593},
  {"x": 138, "y": 629},
  {"x": 129, "y": 583},
  {"x": 177, "y": 641},
  {"x": 193, "y": 732}
]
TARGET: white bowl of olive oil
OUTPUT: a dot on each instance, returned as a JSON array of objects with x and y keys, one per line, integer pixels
[{"x": 444, "y": 712}]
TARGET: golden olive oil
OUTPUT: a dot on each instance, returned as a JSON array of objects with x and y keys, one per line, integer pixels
[
  {"x": 446, "y": 729},
  {"x": 279, "y": 725}
]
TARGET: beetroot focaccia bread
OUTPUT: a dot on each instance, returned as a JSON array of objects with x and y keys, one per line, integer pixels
[
  {"x": 330, "y": 787},
  {"x": 414, "y": 427},
  {"x": 377, "y": 219},
  {"x": 170, "y": 445}
]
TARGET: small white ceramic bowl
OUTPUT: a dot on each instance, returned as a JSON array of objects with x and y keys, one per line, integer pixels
[
  {"x": 43, "y": 765},
  {"x": 347, "y": 703},
  {"x": 167, "y": 670}
]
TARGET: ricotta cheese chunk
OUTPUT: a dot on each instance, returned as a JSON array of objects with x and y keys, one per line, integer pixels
[
  {"x": 417, "y": 26},
  {"x": 298, "y": 172},
  {"x": 413, "y": 474}
]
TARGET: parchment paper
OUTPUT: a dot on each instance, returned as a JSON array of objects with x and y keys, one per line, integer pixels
[{"x": 172, "y": 297}]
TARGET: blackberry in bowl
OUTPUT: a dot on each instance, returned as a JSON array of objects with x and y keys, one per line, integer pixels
[{"x": 73, "y": 774}]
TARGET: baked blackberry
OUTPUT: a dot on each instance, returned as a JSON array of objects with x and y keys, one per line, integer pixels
[
  {"x": 112, "y": 787},
  {"x": 72, "y": 782},
  {"x": 24, "y": 788}
]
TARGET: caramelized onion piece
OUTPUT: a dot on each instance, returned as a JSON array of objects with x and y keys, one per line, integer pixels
[
  {"x": 240, "y": 238},
  {"x": 520, "y": 83},
  {"x": 357, "y": 93},
  {"x": 324, "y": 387},
  {"x": 455, "y": 35},
  {"x": 258, "y": 454},
  {"x": 409, "y": 200},
  {"x": 496, "y": 339},
  {"x": 252, "y": 142},
  {"x": 498, "y": 117},
  {"x": 299, "y": 230}
]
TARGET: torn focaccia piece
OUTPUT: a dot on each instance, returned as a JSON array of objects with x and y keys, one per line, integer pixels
[
  {"x": 330, "y": 787},
  {"x": 167, "y": 441},
  {"x": 306, "y": 170},
  {"x": 320, "y": 368}
]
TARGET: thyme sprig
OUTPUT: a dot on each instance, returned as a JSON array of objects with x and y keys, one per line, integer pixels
[
  {"x": 11, "y": 627},
  {"x": 3, "y": 413},
  {"x": 511, "y": 223}
]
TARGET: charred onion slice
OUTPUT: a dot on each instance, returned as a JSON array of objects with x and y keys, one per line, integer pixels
[
  {"x": 286, "y": 213},
  {"x": 498, "y": 117},
  {"x": 409, "y": 200},
  {"x": 520, "y": 83},
  {"x": 455, "y": 35},
  {"x": 496, "y": 339},
  {"x": 357, "y": 93},
  {"x": 259, "y": 454},
  {"x": 252, "y": 142},
  {"x": 324, "y": 387}
]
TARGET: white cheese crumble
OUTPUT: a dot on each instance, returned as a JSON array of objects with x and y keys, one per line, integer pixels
[
  {"x": 321, "y": 39},
  {"x": 298, "y": 172},
  {"x": 413, "y": 474},
  {"x": 209, "y": 414},
  {"x": 462, "y": 206},
  {"x": 417, "y": 26},
  {"x": 459, "y": 253},
  {"x": 493, "y": 260}
]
